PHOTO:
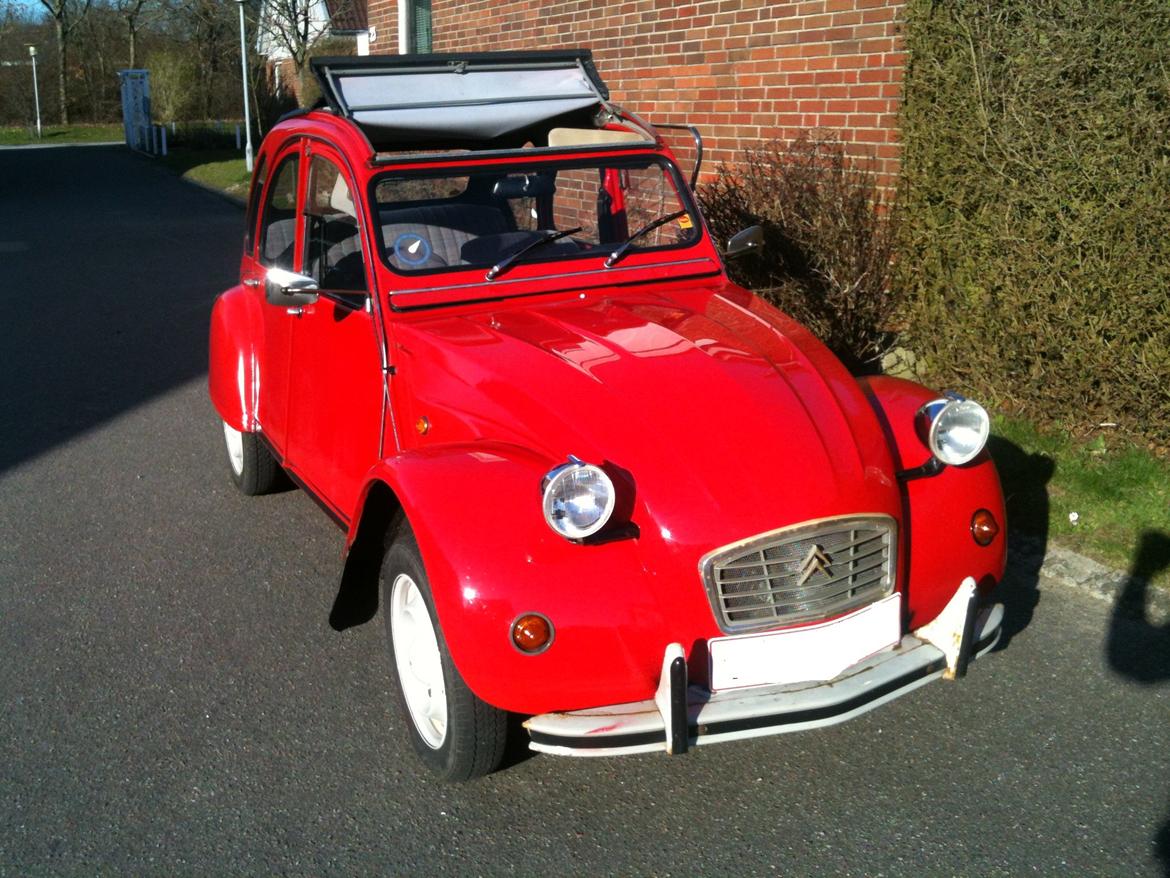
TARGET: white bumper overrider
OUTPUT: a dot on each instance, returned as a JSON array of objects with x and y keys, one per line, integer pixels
[{"x": 682, "y": 715}]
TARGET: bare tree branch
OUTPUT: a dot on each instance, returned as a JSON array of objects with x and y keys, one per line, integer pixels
[{"x": 66, "y": 15}]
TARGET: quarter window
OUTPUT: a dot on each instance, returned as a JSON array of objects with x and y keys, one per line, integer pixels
[
  {"x": 278, "y": 237},
  {"x": 333, "y": 246},
  {"x": 254, "y": 205}
]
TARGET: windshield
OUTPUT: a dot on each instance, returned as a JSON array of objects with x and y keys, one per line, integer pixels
[{"x": 501, "y": 216}]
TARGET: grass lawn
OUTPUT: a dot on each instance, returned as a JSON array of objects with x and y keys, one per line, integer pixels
[
  {"x": 20, "y": 136},
  {"x": 1103, "y": 498},
  {"x": 219, "y": 168}
]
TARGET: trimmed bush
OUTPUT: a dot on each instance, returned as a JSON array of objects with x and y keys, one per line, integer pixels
[
  {"x": 1035, "y": 240},
  {"x": 828, "y": 238}
]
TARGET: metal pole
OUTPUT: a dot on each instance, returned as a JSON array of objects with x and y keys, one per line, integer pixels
[
  {"x": 32, "y": 51},
  {"x": 244, "y": 77}
]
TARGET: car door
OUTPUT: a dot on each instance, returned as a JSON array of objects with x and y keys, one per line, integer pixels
[
  {"x": 277, "y": 247},
  {"x": 337, "y": 382}
]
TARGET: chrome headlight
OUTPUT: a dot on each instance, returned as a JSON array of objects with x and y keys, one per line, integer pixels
[
  {"x": 578, "y": 499},
  {"x": 956, "y": 429}
]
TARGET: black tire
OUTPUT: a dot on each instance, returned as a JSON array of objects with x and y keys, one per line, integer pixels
[
  {"x": 252, "y": 467},
  {"x": 473, "y": 741}
]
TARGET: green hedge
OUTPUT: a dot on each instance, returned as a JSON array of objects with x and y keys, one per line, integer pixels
[{"x": 1035, "y": 235}]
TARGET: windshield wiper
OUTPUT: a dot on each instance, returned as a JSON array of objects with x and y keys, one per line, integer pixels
[
  {"x": 646, "y": 229},
  {"x": 550, "y": 235}
]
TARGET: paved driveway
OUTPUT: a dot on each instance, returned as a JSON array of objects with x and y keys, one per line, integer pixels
[{"x": 173, "y": 700}]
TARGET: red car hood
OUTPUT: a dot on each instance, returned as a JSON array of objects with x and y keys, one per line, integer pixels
[{"x": 729, "y": 418}]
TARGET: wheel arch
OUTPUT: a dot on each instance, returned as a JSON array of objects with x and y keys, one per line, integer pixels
[{"x": 378, "y": 516}]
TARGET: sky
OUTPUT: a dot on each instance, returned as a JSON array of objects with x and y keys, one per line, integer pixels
[{"x": 33, "y": 6}]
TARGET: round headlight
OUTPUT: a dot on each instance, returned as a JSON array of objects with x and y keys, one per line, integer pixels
[
  {"x": 578, "y": 499},
  {"x": 958, "y": 430}
]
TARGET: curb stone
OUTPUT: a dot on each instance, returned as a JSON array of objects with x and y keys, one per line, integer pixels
[{"x": 1073, "y": 570}]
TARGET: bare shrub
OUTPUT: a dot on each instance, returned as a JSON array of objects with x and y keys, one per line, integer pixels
[
  {"x": 828, "y": 232},
  {"x": 173, "y": 85}
]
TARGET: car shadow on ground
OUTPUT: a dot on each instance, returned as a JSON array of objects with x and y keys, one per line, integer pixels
[
  {"x": 1138, "y": 647},
  {"x": 1025, "y": 478}
]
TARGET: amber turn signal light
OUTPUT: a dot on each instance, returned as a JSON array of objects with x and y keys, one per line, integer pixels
[
  {"x": 984, "y": 527},
  {"x": 532, "y": 633}
]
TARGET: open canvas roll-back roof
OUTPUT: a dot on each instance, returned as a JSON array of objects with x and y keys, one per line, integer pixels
[{"x": 486, "y": 100}]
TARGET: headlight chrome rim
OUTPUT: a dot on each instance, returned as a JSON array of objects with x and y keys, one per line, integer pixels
[
  {"x": 942, "y": 415},
  {"x": 553, "y": 484}
]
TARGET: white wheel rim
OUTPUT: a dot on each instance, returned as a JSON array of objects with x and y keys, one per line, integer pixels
[
  {"x": 420, "y": 669},
  {"x": 235, "y": 448}
]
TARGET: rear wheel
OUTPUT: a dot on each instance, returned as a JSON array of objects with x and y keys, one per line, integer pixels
[
  {"x": 458, "y": 736},
  {"x": 253, "y": 468}
]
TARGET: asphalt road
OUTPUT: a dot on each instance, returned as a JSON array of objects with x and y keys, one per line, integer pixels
[{"x": 174, "y": 700}]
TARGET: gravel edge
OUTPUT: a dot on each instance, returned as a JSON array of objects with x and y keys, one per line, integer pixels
[{"x": 1073, "y": 570}]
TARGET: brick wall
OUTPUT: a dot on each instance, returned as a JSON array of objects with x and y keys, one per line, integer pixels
[
  {"x": 742, "y": 70},
  {"x": 383, "y": 17}
]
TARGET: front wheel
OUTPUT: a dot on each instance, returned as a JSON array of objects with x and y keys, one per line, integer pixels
[
  {"x": 457, "y": 735},
  {"x": 253, "y": 468}
]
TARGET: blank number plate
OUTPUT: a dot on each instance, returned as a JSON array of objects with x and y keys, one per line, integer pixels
[{"x": 815, "y": 653}]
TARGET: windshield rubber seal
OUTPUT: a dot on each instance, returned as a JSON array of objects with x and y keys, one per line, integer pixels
[{"x": 682, "y": 190}]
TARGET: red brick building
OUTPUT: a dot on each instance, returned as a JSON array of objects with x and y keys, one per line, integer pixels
[{"x": 742, "y": 70}]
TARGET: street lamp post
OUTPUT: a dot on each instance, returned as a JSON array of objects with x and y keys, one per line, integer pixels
[
  {"x": 244, "y": 77},
  {"x": 32, "y": 53}
]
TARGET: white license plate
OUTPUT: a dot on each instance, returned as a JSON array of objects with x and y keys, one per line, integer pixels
[{"x": 815, "y": 653}]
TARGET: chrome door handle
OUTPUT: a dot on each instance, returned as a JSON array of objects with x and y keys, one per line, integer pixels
[
  {"x": 295, "y": 311},
  {"x": 251, "y": 281}
]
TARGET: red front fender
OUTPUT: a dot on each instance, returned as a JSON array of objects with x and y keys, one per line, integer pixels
[
  {"x": 936, "y": 528},
  {"x": 476, "y": 514}
]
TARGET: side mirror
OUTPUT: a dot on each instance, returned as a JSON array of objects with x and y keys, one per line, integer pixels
[
  {"x": 750, "y": 240},
  {"x": 282, "y": 287}
]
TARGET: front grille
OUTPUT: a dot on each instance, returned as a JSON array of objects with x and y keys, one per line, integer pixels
[{"x": 801, "y": 573}]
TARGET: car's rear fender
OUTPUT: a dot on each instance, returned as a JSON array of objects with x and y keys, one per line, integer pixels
[
  {"x": 233, "y": 373},
  {"x": 489, "y": 555},
  {"x": 936, "y": 531}
]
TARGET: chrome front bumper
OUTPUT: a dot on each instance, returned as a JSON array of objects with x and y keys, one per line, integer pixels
[{"x": 681, "y": 715}]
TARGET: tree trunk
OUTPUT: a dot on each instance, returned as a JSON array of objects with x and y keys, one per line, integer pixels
[
  {"x": 61, "y": 59},
  {"x": 132, "y": 34},
  {"x": 302, "y": 88}
]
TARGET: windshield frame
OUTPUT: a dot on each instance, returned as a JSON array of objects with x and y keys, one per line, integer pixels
[{"x": 466, "y": 275}]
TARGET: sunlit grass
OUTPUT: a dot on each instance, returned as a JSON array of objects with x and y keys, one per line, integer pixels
[
  {"x": 1096, "y": 496},
  {"x": 222, "y": 169},
  {"x": 19, "y": 136}
]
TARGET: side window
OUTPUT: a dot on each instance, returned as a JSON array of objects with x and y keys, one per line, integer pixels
[
  {"x": 279, "y": 228},
  {"x": 254, "y": 204},
  {"x": 333, "y": 246}
]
